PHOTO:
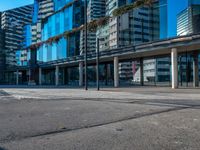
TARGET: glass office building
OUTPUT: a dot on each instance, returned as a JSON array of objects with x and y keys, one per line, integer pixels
[
  {"x": 58, "y": 4},
  {"x": 188, "y": 23},
  {"x": 50, "y": 19},
  {"x": 42, "y": 9},
  {"x": 163, "y": 7},
  {"x": 2, "y": 55},
  {"x": 188, "y": 20},
  {"x": 22, "y": 56},
  {"x": 57, "y": 24},
  {"x": 138, "y": 26},
  {"x": 13, "y": 22}
]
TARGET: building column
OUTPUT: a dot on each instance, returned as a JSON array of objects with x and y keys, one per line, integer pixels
[
  {"x": 40, "y": 76},
  {"x": 57, "y": 76},
  {"x": 81, "y": 73},
  {"x": 17, "y": 77},
  {"x": 141, "y": 72},
  {"x": 116, "y": 72},
  {"x": 195, "y": 69},
  {"x": 174, "y": 61}
]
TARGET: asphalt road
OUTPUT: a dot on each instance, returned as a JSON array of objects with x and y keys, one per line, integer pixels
[{"x": 98, "y": 124}]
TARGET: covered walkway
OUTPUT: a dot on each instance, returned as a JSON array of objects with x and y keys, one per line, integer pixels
[{"x": 172, "y": 48}]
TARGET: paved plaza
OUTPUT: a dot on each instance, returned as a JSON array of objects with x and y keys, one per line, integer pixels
[{"x": 139, "y": 118}]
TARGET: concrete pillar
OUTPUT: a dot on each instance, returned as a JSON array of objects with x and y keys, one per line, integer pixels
[
  {"x": 195, "y": 70},
  {"x": 80, "y": 73},
  {"x": 141, "y": 72},
  {"x": 116, "y": 72},
  {"x": 57, "y": 76},
  {"x": 174, "y": 61},
  {"x": 40, "y": 76},
  {"x": 17, "y": 77}
]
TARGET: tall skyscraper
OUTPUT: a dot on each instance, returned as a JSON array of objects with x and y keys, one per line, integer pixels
[
  {"x": 96, "y": 9},
  {"x": 32, "y": 32},
  {"x": 13, "y": 22},
  {"x": 42, "y": 9},
  {"x": 2, "y": 55},
  {"x": 188, "y": 20}
]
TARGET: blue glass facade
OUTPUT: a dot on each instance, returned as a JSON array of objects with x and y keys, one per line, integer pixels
[
  {"x": 193, "y": 2},
  {"x": 27, "y": 36},
  {"x": 163, "y": 19},
  {"x": 35, "y": 12},
  {"x": 57, "y": 24},
  {"x": 23, "y": 56},
  {"x": 52, "y": 52},
  {"x": 58, "y": 4}
]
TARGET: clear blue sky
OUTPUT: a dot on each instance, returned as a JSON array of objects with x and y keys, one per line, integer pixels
[
  {"x": 9, "y": 4},
  {"x": 174, "y": 6}
]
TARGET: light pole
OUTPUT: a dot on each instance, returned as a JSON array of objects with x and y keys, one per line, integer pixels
[
  {"x": 97, "y": 65},
  {"x": 97, "y": 62},
  {"x": 86, "y": 77}
]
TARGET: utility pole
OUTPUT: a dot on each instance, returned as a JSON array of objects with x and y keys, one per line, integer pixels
[
  {"x": 86, "y": 71},
  {"x": 97, "y": 64}
]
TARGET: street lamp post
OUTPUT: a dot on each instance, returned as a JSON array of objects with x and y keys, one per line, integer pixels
[
  {"x": 86, "y": 76},
  {"x": 97, "y": 64},
  {"x": 97, "y": 61}
]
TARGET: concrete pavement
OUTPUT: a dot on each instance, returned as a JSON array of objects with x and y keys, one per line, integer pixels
[
  {"x": 133, "y": 93},
  {"x": 72, "y": 119}
]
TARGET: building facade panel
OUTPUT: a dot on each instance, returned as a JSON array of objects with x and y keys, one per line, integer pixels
[{"x": 57, "y": 24}]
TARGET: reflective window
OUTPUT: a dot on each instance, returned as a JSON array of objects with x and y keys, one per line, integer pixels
[{"x": 57, "y": 24}]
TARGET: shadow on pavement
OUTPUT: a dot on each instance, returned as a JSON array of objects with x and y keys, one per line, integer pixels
[{"x": 2, "y": 148}]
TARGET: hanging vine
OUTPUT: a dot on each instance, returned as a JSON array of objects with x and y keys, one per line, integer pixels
[
  {"x": 125, "y": 9},
  {"x": 94, "y": 24}
]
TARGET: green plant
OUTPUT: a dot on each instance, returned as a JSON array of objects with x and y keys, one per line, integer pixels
[
  {"x": 94, "y": 24},
  {"x": 125, "y": 9}
]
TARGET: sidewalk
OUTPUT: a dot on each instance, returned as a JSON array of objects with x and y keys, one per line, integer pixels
[{"x": 134, "y": 93}]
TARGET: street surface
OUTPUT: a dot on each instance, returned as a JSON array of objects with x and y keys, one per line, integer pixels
[{"x": 146, "y": 118}]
